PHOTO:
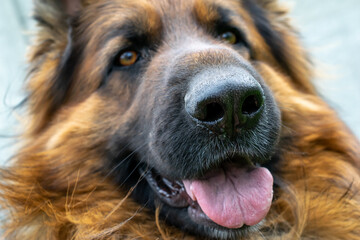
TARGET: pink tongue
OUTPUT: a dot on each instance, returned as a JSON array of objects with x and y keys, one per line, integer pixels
[{"x": 233, "y": 196}]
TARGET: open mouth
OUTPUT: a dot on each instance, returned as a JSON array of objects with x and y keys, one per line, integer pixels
[{"x": 230, "y": 197}]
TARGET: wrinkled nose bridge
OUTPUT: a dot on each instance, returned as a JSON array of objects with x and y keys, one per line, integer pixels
[{"x": 203, "y": 52}]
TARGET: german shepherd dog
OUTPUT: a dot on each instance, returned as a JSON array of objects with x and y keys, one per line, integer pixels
[{"x": 177, "y": 119}]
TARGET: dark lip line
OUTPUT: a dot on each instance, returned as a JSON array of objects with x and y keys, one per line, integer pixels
[
  {"x": 211, "y": 230},
  {"x": 190, "y": 205},
  {"x": 178, "y": 198},
  {"x": 176, "y": 188}
]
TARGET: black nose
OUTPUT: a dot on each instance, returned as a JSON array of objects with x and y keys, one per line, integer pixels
[{"x": 225, "y": 102}]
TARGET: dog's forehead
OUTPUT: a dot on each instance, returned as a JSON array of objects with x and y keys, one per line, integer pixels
[
  {"x": 171, "y": 14},
  {"x": 155, "y": 20},
  {"x": 170, "y": 9}
]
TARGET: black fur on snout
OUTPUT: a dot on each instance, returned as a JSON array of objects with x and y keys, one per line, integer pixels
[{"x": 209, "y": 105}]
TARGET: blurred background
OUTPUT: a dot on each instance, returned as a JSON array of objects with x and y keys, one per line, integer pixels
[{"x": 330, "y": 31}]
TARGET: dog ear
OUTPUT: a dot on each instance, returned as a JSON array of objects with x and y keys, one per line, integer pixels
[
  {"x": 66, "y": 7},
  {"x": 72, "y": 7},
  {"x": 53, "y": 44},
  {"x": 55, "y": 12}
]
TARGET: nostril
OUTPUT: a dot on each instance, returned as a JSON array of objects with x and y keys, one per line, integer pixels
[
  {"x": 214, "y": 111},
  {"x": 251, "y": 105}
]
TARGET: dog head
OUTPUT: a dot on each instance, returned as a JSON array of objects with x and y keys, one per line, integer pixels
[{"x": 175, "y": 100}]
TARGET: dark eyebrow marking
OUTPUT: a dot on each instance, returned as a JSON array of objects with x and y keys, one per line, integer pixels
[
  {"x": 133, "y": 32},
  {"x": 225, "y": 15},
  {"x": 144, "y": 22},
  {"x": 215, "y": 19},
  {"x": 226, "y": 21}
]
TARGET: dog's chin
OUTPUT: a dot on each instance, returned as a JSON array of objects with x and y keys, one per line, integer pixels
[{"x": 180, "y": 207}]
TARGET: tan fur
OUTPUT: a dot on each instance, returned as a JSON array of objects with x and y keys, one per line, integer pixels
[{"x": 54, "y": 188}]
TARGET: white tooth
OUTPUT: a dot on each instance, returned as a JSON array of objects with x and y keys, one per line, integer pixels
[
  {"x": 192, "y": 193},
  {"x": 189, "y": 189}
]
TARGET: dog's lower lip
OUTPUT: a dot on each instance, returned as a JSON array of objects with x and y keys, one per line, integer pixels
[
  {"x": 173, "y": 193},
  {"x": 199, "y": 216},
  {"x": 211, "y": 206}
]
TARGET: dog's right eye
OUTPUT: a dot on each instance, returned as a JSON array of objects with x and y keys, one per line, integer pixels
[
  {"x": 229, "y": 37},
  {"x": 126, "y": 58},
  {"x": 232, "y": 36}
]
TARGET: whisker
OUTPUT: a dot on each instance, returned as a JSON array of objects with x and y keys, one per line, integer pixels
[
  {"x": 122, "y": 161},
  {"x": 129, "y": 175}
]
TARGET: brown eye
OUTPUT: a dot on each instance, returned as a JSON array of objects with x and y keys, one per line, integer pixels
[
  {"x": 228, "y": 37},
  {"x": 127, "y": 58}
]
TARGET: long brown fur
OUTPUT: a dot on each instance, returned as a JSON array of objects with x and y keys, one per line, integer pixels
[{"x": 54, "y": 188}]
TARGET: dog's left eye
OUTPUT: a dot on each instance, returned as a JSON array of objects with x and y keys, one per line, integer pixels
[
  {"x": 228, "y": 37},
  {"x": 126, "y": 58}
]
